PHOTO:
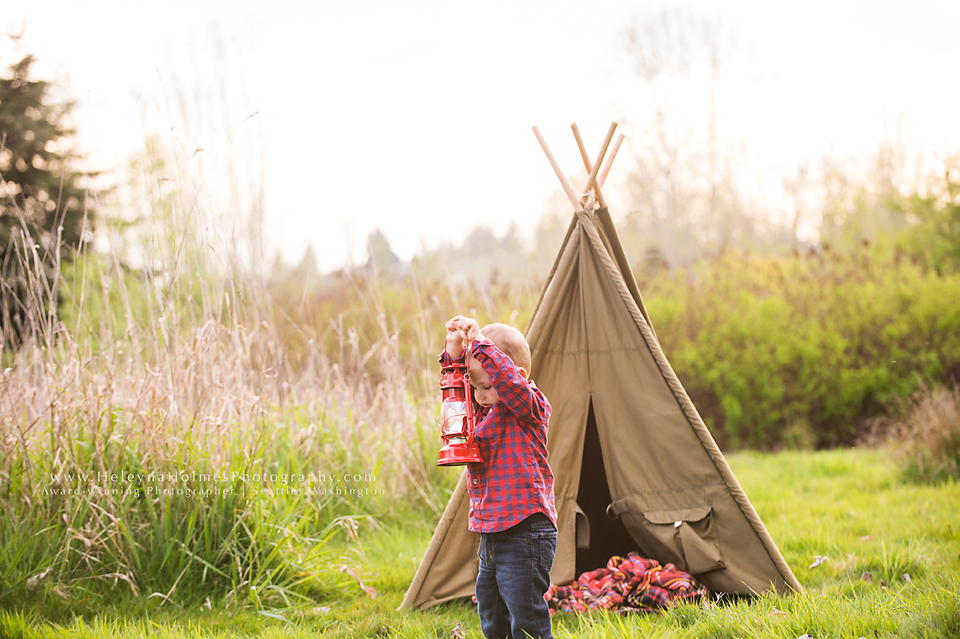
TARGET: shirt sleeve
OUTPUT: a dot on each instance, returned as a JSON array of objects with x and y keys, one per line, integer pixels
[
  {"x": 446, "y": 360},
  {"x": 518, "y": 394}
]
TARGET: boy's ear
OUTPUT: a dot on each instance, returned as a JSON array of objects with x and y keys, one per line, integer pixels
[{"x": 523, "y": 371}]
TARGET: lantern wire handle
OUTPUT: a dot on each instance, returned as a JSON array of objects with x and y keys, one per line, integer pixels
[{"x": 468, "y": 395}]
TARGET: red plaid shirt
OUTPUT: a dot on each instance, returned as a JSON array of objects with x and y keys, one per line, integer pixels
[{"x": 514, "y": 481}]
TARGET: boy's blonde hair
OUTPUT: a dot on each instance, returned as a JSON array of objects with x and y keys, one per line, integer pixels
[{"x": 511, "y": 341}]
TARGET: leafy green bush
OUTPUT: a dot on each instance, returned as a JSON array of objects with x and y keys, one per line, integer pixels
[{"x": 805, "y": 349}]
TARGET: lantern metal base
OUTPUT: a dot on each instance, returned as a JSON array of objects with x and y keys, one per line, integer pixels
[{"x": 459, "y": 455}]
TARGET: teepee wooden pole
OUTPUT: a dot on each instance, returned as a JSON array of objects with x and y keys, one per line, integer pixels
[
  {"x": 603, "y": 151},
  {"x": 556, "y": 169},
  {"x": 583, "y": 149},
  {"x": 613, "y": 154},
  {"x": 592, "y": 168}
]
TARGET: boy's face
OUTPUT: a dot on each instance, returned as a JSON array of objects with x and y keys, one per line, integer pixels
[{"x": 483, "y": 392}]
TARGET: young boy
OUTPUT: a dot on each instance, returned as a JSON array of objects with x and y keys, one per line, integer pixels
[{"x": 511, "y": 491}]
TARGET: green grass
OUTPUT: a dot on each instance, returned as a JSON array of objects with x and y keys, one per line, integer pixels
[{"x": 847, "y": 505}]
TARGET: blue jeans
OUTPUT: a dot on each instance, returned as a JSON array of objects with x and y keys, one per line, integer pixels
[{"x": 514, "y": 575}]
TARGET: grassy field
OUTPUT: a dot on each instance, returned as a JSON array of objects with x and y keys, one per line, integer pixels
[
  {"x": 891, "y": 569},
  {"x": 181, "y": 374}
]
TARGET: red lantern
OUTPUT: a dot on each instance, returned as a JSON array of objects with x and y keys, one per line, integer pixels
[{"x": 456, "y": 418}]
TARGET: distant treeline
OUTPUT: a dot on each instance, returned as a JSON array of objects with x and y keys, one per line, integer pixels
[{"x": 802, "y": 346}]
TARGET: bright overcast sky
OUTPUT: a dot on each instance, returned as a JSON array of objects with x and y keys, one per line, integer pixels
[{"x": 415, "y": 117}]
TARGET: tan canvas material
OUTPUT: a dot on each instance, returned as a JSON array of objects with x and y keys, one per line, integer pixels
[{"x": 626, "y": 444}]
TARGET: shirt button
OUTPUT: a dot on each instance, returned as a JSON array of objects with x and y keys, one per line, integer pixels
[{"x": 476, "y": 481}]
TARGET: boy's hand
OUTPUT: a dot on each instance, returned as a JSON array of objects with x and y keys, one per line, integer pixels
[
  {"x": 460, "y": 331},
  {"x": 454, "y": 346}
]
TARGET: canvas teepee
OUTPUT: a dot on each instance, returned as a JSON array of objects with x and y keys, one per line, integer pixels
[{"x": 635, "y": 467}]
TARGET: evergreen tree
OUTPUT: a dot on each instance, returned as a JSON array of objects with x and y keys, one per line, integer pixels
[{"x": 42, "y": 201}]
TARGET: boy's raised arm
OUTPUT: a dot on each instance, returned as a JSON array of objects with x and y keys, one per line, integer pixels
[
  {"x": 454, "y": 342},
  {"x": 518, "y": 394}
]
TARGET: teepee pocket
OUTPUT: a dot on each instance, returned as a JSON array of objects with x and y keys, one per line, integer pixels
[{"x": 687, "y": 535}]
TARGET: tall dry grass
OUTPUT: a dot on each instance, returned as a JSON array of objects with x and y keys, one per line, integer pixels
[
  {"x": 925, "y": 438},
  {"x": 159, "y": 440}
]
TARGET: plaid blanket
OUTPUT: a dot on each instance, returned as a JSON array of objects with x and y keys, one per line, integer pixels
[{"x": 631, "y": 584}]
